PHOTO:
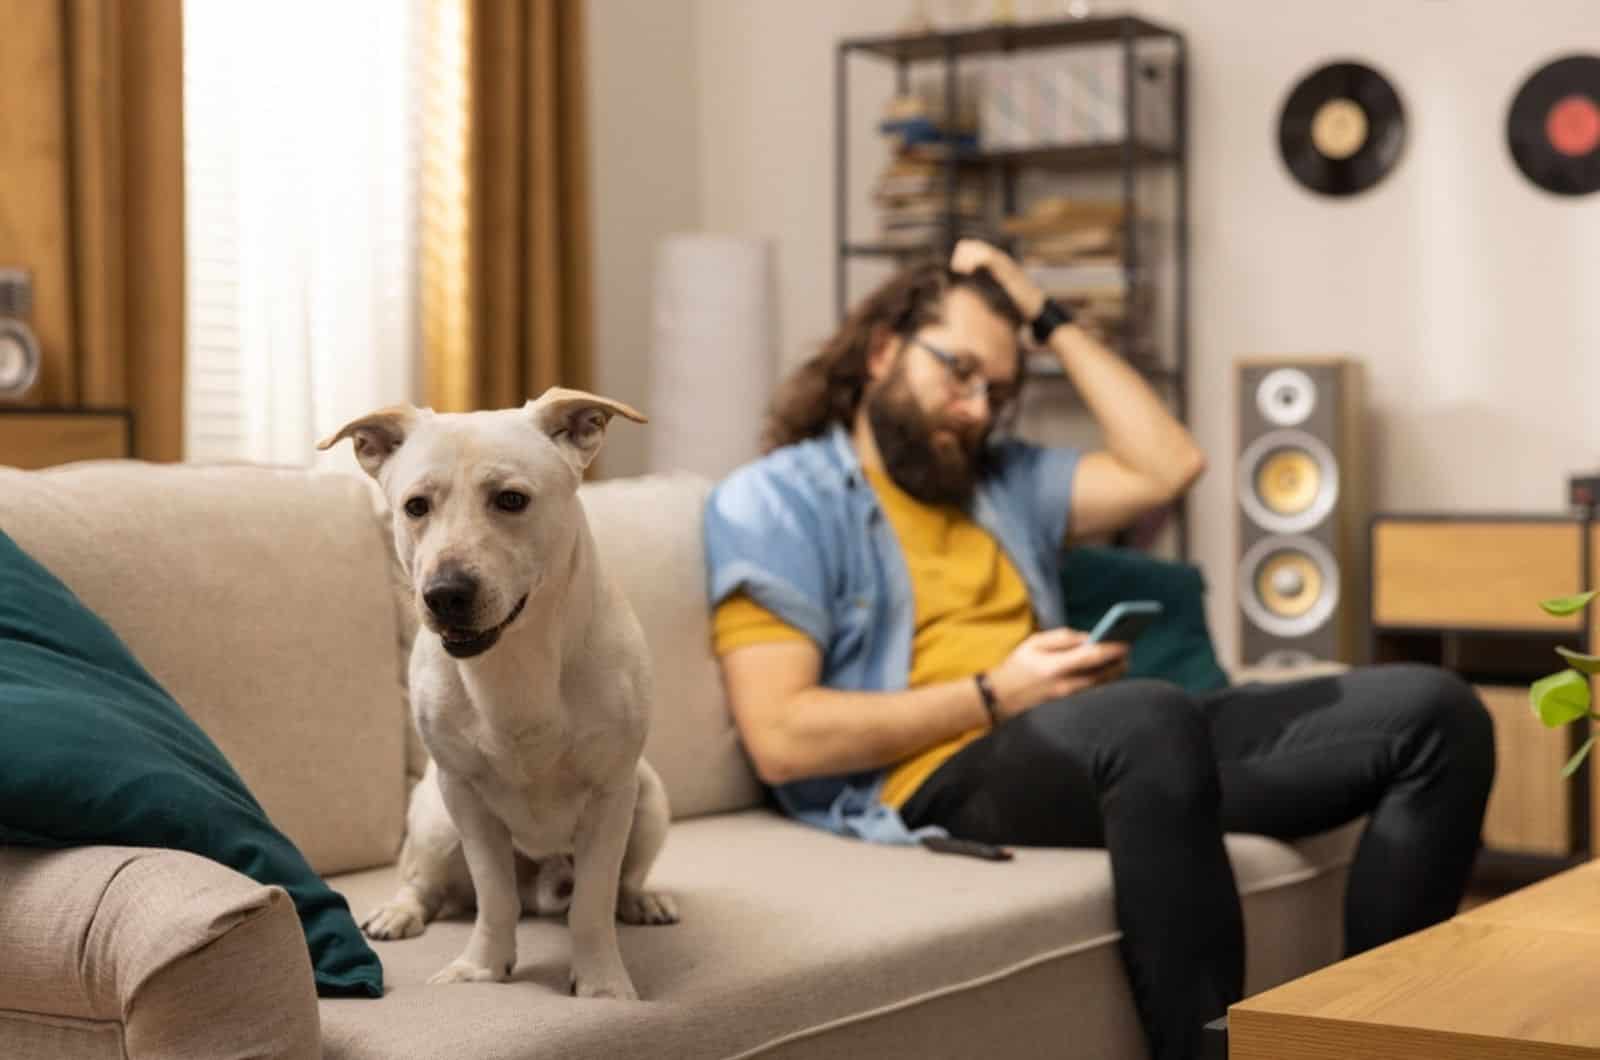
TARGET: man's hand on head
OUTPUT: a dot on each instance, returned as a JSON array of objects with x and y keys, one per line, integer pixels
[{"x": 971, "y": 255}]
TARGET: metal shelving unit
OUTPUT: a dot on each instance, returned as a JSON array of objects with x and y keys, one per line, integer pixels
[{"x": 1125, "y": 158}]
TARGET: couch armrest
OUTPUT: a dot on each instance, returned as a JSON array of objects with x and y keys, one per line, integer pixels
[{"x": 186, "y": 956}]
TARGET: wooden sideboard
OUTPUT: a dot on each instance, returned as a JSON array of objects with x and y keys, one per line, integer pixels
[
  {"x": 32, "y": 438},
  {"x": 1462, "y": 591}
]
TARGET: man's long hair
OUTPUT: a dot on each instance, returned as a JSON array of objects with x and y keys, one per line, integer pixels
[{"x": 827, "y": 389}]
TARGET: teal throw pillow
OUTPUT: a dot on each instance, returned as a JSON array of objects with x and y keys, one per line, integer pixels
[
  {"x": 1175, "y": 648},
  {"x": 93, "y": 750}
]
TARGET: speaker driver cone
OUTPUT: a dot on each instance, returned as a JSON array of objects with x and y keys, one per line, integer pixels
[
  {"x": 1288, "y": 586},
  {"x": 1286, "y": 397},
  {"x": 1288, "y": 481}
]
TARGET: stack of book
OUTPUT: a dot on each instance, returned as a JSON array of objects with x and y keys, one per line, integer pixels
[
  {"x": 1073, "y": 249},
  {"x": 1057, "y": 230},
  {"x": 912, "y": 193}
]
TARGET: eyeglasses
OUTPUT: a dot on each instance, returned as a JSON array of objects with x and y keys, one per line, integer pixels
[{"x": 969, "y": 381}]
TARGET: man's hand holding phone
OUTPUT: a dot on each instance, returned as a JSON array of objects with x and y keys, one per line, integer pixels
[{"x": 1052, "y": 664}]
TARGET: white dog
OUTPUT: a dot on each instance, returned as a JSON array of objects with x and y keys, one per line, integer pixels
[{"x": 530, "y": 685}]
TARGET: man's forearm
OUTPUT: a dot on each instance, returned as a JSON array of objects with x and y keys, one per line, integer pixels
[
  {"x": 1141, "y": 435},
  {"x": 1139, "y": 429},
  {"x": 827, "y": 732}
]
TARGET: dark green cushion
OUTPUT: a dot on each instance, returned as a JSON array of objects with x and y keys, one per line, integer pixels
[
  {"x": 93, "y": 750},
  {"x": 1176, "y": 648}
]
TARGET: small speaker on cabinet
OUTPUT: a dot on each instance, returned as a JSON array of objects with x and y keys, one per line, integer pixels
[{"x": 19, "y": 349}]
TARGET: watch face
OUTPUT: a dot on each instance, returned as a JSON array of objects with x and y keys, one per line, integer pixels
[{"x": 19, "y": 361}]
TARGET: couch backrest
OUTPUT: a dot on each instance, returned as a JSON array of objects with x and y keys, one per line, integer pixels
[
  {"x": 267, "y": 602},
  {"x": 262, "y": 600},
  {"x": 648, "y": 531}
]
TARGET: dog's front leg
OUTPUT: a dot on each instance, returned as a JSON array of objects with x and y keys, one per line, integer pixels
[
  {"x": 491, "y": 952},
  {"x": 597, "y": 969}
]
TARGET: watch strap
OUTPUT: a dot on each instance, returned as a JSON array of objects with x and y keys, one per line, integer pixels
[{"x": 1051, "y": 316}]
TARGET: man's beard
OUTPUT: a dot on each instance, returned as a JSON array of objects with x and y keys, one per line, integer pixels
[{"x": 933, "y": 461}]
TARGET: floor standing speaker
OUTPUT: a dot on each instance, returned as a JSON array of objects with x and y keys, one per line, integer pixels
[{"x": 1302, "y": 510}]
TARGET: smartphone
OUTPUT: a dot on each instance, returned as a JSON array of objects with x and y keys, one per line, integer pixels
[{"x": 1125, "y": 621}]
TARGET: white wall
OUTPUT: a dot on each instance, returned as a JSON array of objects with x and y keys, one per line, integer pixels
[
  {"x": 767, "y": 138},
  {"x": 1469, "y": 294},
  {"x": 644, "y": 118}
]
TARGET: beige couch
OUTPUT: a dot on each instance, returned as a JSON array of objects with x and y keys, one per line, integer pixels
[{"x": 263, "y": 599}]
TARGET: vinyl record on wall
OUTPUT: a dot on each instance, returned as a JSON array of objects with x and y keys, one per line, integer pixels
[
  {"x": 1341, "y": 129},
  {"x": 1554, "y": 126}
]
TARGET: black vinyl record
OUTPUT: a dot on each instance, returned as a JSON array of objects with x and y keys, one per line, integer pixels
[
  {"x": 1554, "y": 126},
  {"x": 1341, "y": 129}
]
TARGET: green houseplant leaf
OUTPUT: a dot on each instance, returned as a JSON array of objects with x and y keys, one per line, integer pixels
[
  {"x": 1560, "y": 698},
  {"x": 1589, "y": 664},
  {"x": 1577, "y": 759},
  {"x": 1568, "y": 605}
]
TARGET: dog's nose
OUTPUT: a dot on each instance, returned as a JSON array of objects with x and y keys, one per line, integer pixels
[{"x": 451, "y": 598}]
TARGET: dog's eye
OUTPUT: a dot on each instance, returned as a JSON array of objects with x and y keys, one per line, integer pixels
[
  {"x": 510, "y": 501},
  {"x": 417, "y": 507}
]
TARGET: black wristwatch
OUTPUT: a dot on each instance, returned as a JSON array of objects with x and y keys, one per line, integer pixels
[{"x": 1051, "y": 316}]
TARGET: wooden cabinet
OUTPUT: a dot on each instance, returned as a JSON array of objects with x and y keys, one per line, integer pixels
[
  {"x": 1531, "y": 808},
  {"x": 33, "y": 438},
  {"x": 1480, "y": 574},
  {"x": 1462, "y": 591}
]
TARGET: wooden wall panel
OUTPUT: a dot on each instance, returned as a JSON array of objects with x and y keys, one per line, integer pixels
[
  {"x": 35, "y": 230},
  {"x": 95, "y": 99},
  {"x": 91, "y": 201},
  {"x": 152, "y": 166}
]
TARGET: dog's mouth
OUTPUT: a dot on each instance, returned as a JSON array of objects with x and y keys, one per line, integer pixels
[{"x": 465, "y": 643}]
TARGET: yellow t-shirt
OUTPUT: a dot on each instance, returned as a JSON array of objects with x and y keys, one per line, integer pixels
[{"x": 972, "y": 609}]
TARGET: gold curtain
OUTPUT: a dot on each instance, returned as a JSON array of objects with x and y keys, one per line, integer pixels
[
  {"x": 504, "y": 241},
  {"x": 91, "y": 145}
]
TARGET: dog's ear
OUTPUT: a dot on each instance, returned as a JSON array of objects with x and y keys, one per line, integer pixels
[
  {"x": 576, "y": 421},
  {"x": 376, "y": 435}
]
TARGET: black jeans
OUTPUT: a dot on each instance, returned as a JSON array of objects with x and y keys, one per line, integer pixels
[{"x": 1156, "y": 776}]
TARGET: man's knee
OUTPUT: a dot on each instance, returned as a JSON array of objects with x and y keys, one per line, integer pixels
[
  {"x": 1142, "y": 725},
  {"x": 1162, "y": 710},
  {"x": 1443, "y": 704}
]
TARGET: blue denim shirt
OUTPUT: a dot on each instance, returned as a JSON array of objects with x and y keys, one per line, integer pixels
[{"x": 801, "y": 531}]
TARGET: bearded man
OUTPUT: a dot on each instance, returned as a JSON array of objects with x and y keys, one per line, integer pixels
[{"x": 889, "y": 621}]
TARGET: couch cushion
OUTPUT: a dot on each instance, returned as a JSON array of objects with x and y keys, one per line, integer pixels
[
  {"x": 260, "y": 599},
  {"x": 792, "y": 935},
  {"x": 648, "y": 532}
]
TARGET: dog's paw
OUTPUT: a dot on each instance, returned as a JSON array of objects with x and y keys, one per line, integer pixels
[
  {"x": 616, "y": 987},
  {"x": 462, "y": 970},
  {"x": 646, "y": 907},
  {"x": 397, "y": 920}
]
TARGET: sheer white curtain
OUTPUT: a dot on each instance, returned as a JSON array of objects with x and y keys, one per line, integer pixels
[{"x": 301, "y": 204}]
